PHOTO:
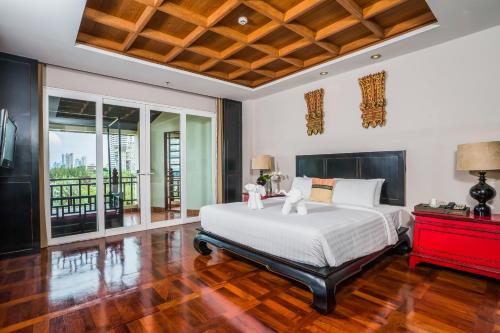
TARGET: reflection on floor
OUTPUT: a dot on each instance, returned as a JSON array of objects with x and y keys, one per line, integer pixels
[
  {"x": 171, "y": 215},
  {"x": 154, "y": 281}
]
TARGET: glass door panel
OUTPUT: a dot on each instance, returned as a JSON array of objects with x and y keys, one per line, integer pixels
[
  {"x": 165, "y": 165},
  {"x": 72, "y": 166},
  {"x": 199, "y": 172},
  {"x": 121, "y": 156}
]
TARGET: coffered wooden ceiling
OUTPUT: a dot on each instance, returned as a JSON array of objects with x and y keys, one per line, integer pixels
[{"x": 280, "y": 38}]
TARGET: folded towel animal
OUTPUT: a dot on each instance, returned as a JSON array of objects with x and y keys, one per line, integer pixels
[
  {"x": 254, "y": 195},
  {"x": 294, "y": 199}
]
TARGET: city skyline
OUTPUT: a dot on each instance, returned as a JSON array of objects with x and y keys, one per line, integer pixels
[{"x": 72, "y": 149}]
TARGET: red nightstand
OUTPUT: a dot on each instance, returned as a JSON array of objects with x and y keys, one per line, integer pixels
[
  {"x": 466, "y": 243},
  {"x": 268, "y": 195}
]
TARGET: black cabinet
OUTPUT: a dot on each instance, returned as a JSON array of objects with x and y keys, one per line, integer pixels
[
  {"x": 19, "y": 197},
  {"x": 232, "y": 150}
]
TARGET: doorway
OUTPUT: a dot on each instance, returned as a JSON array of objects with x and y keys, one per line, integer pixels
[{"x": 116, "y": 166}]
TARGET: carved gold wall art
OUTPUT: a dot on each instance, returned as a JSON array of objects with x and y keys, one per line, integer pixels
[
  {"x": 373, "y": 105},
  {"x": 315, "y": 115}
]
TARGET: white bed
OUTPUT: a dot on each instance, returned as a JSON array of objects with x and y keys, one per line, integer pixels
[{"x": 329, "y": 235}]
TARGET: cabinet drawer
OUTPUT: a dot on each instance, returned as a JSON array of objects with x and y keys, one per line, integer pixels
[{"x": 458, "y": 243}]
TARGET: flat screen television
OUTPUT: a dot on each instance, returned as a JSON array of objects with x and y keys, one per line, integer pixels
[{"x": 8, "y": 130}]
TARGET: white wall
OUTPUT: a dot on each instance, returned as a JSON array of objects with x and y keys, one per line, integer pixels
[
  {"x": 436, "y": 98},
  {"x": 63, "y": 78}
]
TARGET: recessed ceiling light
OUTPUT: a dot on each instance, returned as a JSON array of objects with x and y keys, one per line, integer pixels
[
  {"x": 375, "y": 56},
  {"x": 242, "y": 20},
  {"x": 323, "y": 73}
]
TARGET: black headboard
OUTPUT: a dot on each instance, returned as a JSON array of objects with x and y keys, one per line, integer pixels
[{"x": 390, "y": 165}]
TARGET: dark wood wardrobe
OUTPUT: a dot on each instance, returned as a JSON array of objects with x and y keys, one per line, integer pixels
[
  {"x": 232, "y": 151},
  {"x": 19, "y": 196}
]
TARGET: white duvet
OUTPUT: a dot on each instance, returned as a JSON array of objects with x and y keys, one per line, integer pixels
[{"x": 329, "y": 235}]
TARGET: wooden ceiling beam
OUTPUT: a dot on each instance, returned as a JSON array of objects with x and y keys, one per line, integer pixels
[
  {"x": 355, "y": 10},
  {"x": 218, "y": 74},
  {"x": 208, "y": 64},
  {"x": 185, "y": 65},
  {"x": 162, "y": 37},
  {"x": 317, "y": 59},
  {"x": 183, "y": 14},
  {"x": 193, "y": 36},
  {"x": 380, "y": 7},
  {"x": 236, "y": 47},
  {"x": 330, "y": 47},
  {"x": 173, "y": 53},
  {"x": 263, "y": 31},
  {"x": 267, "y": 49},
  {"x": 286, "y": 50},
  {"x": 147, "y": 2},
  {"x": 237, "y": 73},
  {"x": 311, "y": 37},
  {"x": 239, "y": 63},
  {"x": 222, "y": 11},
  {"x": 258, "y": 82},
  {"x": 336, "y": 27},
  {"x": 358, "y": 43},
  {"x": 410, "y": 24},
  {"x": 265, "y": 9},
  {"x": 143, "y": 20},
  {"x": 205, "y": 51},
  {"x": 262, "y": 62},
  {"x": 147, "y": 54},
  {"x": 300, "y": 9},
  {"x": 286, "y": 71},
  {"x": 293, "y": 61},
  {"x": 266, "y": 72},
  {"x": 109, "y": 20},
  {"x": 99, "y": 42},
  {"x": 230, "y": 33}
]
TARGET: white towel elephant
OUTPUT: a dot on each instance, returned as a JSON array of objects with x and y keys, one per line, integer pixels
[
  {"x": 294, "y": 199},
  {"x": 254, "y": 195}
]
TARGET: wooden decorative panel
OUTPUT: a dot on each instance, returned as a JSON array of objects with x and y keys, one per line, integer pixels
[{"x": 280, "y": 38}]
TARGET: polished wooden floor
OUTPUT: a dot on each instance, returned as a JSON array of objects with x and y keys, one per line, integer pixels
[{"x": 155, "y": 281}]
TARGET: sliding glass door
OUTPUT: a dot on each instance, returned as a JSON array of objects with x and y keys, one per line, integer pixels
[
  {"x": 122, "y": 154},
  {"x": 165, "y": 166},
  {"x": 116, "y": 166},
  {"x": 200, "y": 185},
  {"x": 72, "y": 179}
]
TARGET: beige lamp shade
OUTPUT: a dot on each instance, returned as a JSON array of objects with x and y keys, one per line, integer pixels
[
  {"x": 261, "y": 162},
  {"x": 481, "y": 156}
]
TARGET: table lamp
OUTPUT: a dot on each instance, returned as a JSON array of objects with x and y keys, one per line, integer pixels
[
  {"x": 480, "y": 157},
  {"x": 261, "y": 163}
]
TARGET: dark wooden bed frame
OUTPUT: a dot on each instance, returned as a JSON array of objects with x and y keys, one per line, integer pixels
[{"x": 323, "y": 281}]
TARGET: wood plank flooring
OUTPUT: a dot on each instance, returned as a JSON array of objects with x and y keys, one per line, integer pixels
[{"x": 155, "y": 281}]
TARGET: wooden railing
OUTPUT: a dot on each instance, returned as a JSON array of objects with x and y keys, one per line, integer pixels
[{"x": 72, "y": 196}]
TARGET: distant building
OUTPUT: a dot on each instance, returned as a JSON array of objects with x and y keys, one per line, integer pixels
[
  {"x": 127, "y": 145},
  {"x": 67, "y": 160},
  {"x": 91, "y": 167}
]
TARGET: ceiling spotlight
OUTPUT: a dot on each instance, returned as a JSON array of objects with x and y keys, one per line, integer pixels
[
  {"x": 242, "y": 20},
  {"x": 323, "y": 73},
  {"x": 375, "y": 56}
]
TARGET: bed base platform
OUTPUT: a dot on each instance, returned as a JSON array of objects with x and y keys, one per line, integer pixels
[{"x": 322, "y": 281}]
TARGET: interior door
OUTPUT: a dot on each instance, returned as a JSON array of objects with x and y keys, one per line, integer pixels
[{"x": 164, "y": 160}]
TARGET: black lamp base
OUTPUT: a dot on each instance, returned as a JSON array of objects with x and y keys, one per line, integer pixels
[
  {"x": 261, "y": 180},
  {"x": 482, "y": 192}
]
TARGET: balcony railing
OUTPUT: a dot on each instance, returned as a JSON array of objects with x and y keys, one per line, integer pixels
[{"x": 77, "y": 196}]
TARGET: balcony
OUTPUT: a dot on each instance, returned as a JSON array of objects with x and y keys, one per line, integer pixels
[{"x": 73, "y": 204}]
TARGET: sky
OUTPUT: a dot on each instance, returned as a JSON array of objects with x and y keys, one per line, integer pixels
[{"x": 80, "y": 144}]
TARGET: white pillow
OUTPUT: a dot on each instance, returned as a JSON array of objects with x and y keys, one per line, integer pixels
[
  {"x": 378, "y": 191},
  {"x": 304, "y": 185},
  {"x": 359, "y": 192}
]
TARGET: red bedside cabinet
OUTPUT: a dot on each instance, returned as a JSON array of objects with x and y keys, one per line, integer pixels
[{"x": 466, "y": 243}]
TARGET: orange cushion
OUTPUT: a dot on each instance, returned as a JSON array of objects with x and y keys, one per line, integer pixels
[{"x": 322, "y": 190}]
